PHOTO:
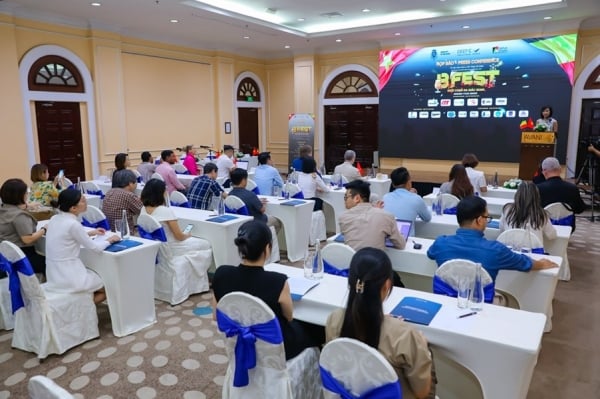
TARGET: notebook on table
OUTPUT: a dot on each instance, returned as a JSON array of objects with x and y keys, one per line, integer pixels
[
  {"x": 122, "y": 245},
  {"x": 416, "y": 310},
  {"x": 241, "y": 165},
  {"x": 221, "y": 219},
  {"x": 404, "y": 227}
]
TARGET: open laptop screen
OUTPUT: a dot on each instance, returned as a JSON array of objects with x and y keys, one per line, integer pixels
[
  {"x": 242, "y": 165},
  {"x": 404, "y": 227}
]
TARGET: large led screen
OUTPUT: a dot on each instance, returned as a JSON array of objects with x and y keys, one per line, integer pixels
[{"x": 441, "y": 102}]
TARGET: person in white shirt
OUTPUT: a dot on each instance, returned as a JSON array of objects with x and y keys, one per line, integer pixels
[
  {"x": 476, "y": 177},
  {"x": 225, "y": 162},
  {"x": 310, "y": 182},
  {"x": 347, "y": 168}
]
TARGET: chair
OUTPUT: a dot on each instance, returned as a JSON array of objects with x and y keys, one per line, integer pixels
[
  {"x": 561, "y": 215},
  {"x": 253, "y": 333},
  {"x": 46, "y": 322},
  {"x": 177, "y": 275},
  {"x": 179, "y": 199},
  {"x": 352, "y": 369},
  {"x": 449, "y": 203},
  {"x": 41, "y": 387},
  {"x": 251, "y": 186},
  {"x": 157, "y": 176},
  {"x": 235, "y": 205},
  {"x": 7, "y": 319},
  {"x": 374, "y": 198},
  {"x": 94, "y": 218},
  {"x": 89, "y": 187},
  {"x": 448, "y": 275},
  {"x": 318, "y": 230},
  {"x": 180, "y": 169},
  {"x": 520, "y": 238},
  {"x": 336, "y": 258},
  {"x": 294, "y": 190},
  {"x": 138, "y": 176}
]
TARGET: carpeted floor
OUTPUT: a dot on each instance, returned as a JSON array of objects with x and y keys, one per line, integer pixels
[{"x": 182, "y": 355}]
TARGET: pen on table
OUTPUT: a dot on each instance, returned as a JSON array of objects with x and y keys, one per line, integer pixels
[{"x": 466, "y": 315}]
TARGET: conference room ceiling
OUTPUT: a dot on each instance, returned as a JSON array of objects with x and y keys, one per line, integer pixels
[{"x": 280, "y": 28}]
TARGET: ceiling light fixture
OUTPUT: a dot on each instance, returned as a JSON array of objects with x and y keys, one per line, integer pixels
[
  {"x": 287, "y": 46},
  {"x": 338, "y": 40},
  {"x": 95, "y": 4},
  {"x": 548, "y": 17},
  {"x": 301, "y": 20},
  {"x": 246, "y": 37},
  {"x": 466, "y": 27},
  {"x": 174, "y": 21},
  {"x": 366, "y": 10},
  {"x": 397, "y": 34}
]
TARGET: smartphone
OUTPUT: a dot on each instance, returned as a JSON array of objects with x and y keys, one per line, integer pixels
[
  {"x": 61, "y": 173},
  {"x": 188, "y": 228}
]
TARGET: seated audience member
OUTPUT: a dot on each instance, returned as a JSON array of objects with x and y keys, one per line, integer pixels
[
  {"x": 254, "y": 245},
  {"x": 469, "y": 243},
  {"x": 404, "y": 202},
  {"x": 256, "y": 206},
  {"x": 527, "y": 213},
  {"x": 266, "y": 176},
  {"x": 347, "y": 168},
  {"x": 476, "y": 177},
  {"x": 180, "y": 243},
  {"x": 190, "y": 160},
  {"x": 165, "y": 169},
  {"x": 147, "y": 167},
  {"x": 65, "y": 271},
  {"x": 122, "y": 197},
  {"x": 17, "y": 225},
  {"x": 403, "y": 346},
  {"x": 204, "y": 188},
  {"x": 310, "y": 182},
  {"x": 122, "y": 161},
  {"x": 305, "y": 151},
  {"x": 42, "y": 190},
  {"x": 225, "y": 164},
  {"x": 365, "y": 225},
  {"x": 458, "y": 183},
  {"x": 555, "y": 189}
]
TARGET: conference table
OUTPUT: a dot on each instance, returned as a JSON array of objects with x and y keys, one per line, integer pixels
[
  {"x": 494, "y": 204},
  {"x": 105, "y": 185},
  {"x": 499, "y": 192},
  {"x": 334, "y": 205},
  {"x": 296, "y": 222},
  {"x": 379, "y": 186},
  {"x": 220, "y": 235},
  {"x": 498, "y": 345}
]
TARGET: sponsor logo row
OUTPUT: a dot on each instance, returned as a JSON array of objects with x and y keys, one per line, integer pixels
[
  {"x": 498, "y": 113},
  {"x": 469, "y": 102}
]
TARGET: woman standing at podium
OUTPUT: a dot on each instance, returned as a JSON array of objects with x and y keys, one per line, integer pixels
[{"x": 547, "y": 120}]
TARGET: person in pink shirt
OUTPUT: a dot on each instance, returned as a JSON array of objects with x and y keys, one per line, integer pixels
[
  {"x": 190, "y": 160},
  {"x": 167, "y": 172}
]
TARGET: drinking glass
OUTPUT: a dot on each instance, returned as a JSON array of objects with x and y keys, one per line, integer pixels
[
  {"x": 308, "y": 265},
  {"x": 276, "y": 191},
  {"x": 464, "y": 285},
  {"x": 118, "y": 226}
]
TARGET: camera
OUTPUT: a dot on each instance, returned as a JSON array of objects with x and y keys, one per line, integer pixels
[{"x": 590, "y": 141}]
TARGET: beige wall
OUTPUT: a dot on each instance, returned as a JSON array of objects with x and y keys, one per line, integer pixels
[{"x": 149, "y": 96}]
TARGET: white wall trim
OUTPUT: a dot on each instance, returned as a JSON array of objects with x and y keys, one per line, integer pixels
[
  {"x": 87, "y": 97},
  {"x": 577, "y": 95},
  {"x": 262, "y": 136},
  {"x": 342, "y": 101}
]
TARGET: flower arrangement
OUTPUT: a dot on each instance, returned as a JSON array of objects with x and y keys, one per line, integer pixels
[
  {"x": 512, "y": 183},
  {"x": 540, "y": 128}
]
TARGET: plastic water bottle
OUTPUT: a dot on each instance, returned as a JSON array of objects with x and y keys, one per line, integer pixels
[
  {"x": 124, "y": 226},
  {"x": 221, "y": 207},
  {"x": 78, "y": 186},
  {"x": 317, "y": 272},
  {"x": 439, "y": 205},
  {"x": 477, "y": 295},
  {"x": 495, "y": 182}
]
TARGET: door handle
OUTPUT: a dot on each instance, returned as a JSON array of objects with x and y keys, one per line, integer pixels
[{"x": 78, "y": 155}]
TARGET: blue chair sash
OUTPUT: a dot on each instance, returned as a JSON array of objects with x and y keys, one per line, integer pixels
[
  {"x": 538, "y": 251},
  {"x": 95, "y": 192},
  {"x": 566, "y": 221},
  {"x": 14, "y": 285},
  {"x": 185, "y": 204},
  {"x": 156, "y": 235},
  {"x": 140, "y": 179},
  {"x": 331, "y": 269},
  {"x": 240, "y": 211},
  {"x": 298, "y": 195},
  {"x": 101, "y": 223},
  {"x": 187, "y": 172},
  {"x": 442, "y": 287},
  {"x": 390, "y": 390},
  {"x": 245, "y": 349},
  {"x": 255, "y": 190},
  {"x": 450, "y": 211}
]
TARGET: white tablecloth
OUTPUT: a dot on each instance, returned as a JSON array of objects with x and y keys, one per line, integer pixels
[
  {"x": 494, "y": 204},
  {"x": 333, "y": 207},
  {"x": 499, "y": 192},
  {"x": 106, "y": 185}
]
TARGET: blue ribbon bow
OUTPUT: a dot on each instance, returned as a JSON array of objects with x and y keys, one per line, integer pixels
[
  {"x": 298, "y": 195},
  {"x": 140, "y": 179},
  {"x": 95, "y": 192},
  {"x": 156, "y": 235},
  {"x": 14, "y": 285},
  {"x": 184, "y": 204},
  {"x": 442, "y": 287},
  {"x": 101, "y": 223},
  {"x": 245, "y": 349},
  {"x": 450, "y": 211},
  {"x": 566, "y": 221},
  {"x": 182, "y": 173},
  {"x": 331, "y": 269},
  {"x": 240, "y": 211},
  {"x": 390, "y": 390},
  {"x": 256, "y": 191}
]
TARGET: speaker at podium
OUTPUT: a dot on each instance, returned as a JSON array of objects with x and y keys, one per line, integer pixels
[{"x": 535, "y": 146}]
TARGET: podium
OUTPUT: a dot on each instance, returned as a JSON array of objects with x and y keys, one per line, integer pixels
[{"x": 535, "y": 146}]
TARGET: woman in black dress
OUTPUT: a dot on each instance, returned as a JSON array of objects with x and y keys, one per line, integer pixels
[{"x": 254, "y": 245}]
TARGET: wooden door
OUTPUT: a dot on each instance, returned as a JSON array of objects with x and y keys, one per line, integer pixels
[
  {"x": 350, "y": 127},
  {"x": 59, "y": 138},
  {"x": 248, "y": 129}
]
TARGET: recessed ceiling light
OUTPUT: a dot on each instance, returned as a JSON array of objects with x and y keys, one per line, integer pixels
[
  {"x": 174, "y": 21},
  {"x": 300, "y": 19},
  {"x": 287, "y": 46},
  {"x": 246, "y": 37},
  {"x": 547, "y": 17},
  {"x": 338, "y": 40},
  {"x": 466, "y": 26},
  {"x": 95, "y": 4},
  {"x": 397, "y": 34},
  {"x": 366, "y": 10}
]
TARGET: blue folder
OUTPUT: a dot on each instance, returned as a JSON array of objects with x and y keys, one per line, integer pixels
[
  {"x": 416, "y": 310},
  {"x": 122, "y": 245},
  {"x": 293, "y": 203},
  {"x": 222, "y": 218}
]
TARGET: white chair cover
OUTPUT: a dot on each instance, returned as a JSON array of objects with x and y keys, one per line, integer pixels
[
  {"x": 179, "y": 199},
  {"x": 180, "y": 271},
  {"x": 157, "y": 176},
  {"x": 41, "y": 387},
  {"x": 318, "y": 230},
  {"x": 452, "y": 271},
  {"x": 90, "y": 187},
  {"x": 251, "y": 186},
  {"x": 449, "y": 201},
  {"x": 7, "y": 319},
  {"x": 338, "y": 255},
  {"x": 558, "y": 211},
  {"x": 50, "y": 323},
  {"x": 373, "y": 198},
  {"x": 275, "y": 256},
  {"x": 235, "y": 203},
  {"x": 68, "y": 182},
  {"x": 94, "y": 216},
  {"x": 272, "y": 377},
  {"x": 179, "y": 168},
  {"x": 519, "y": 238},
  {"x": 292, "y": 188},
  {"x": 357, "y": 366}
]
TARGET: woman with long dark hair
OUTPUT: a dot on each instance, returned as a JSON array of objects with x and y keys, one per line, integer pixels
[
  {"x": 527, "y": 213},
  {"x": 458, "y": 183},
  {"x": 370, "y": 283}
]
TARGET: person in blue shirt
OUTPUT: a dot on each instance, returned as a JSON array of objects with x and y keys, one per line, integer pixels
[
  {"x": 203, "y": 188},
  {"x": 305, "y": 152},
  {"x": 266, "y": 176},
  {"x": 404, "y": 202},
  {"x": 469, "y": 243}
]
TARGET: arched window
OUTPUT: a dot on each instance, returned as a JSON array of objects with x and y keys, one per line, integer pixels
[
  {"x": 248, "y": 90},
  {"x": 54, "y": 73},
  {"x": 351, "y": 84},
  {"x": 593, "y": 81}
]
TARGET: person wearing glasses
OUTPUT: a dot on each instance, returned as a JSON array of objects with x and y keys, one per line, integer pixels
[{"x": 469, "y": 243}]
